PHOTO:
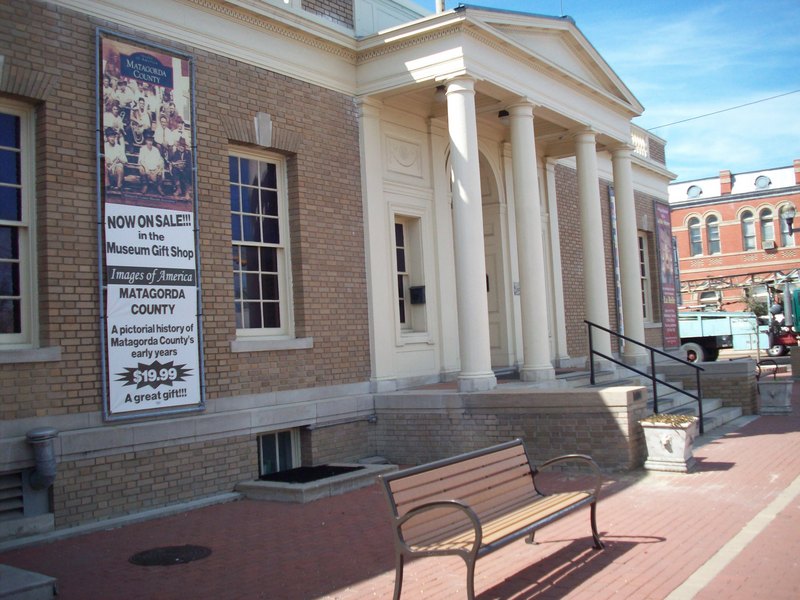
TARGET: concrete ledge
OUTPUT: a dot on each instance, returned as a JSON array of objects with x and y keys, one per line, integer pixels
[
  {"x": 18, "y": 584},
  {"x": 308, "y": 492}
]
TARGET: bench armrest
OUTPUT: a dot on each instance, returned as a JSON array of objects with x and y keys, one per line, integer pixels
[
  {"x": 579, "y": 458},
  {"x": 455, "y": 505}
]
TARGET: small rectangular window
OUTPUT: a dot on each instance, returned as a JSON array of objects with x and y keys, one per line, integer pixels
[
  {"x": 278, "y": 451},
  {"x": 409, "y": 273},
  {"x": 644, "y": 275}
]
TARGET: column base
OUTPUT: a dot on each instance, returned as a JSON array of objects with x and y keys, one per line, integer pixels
[
  {"x": 535, "y": 374},
  {"x": 477, "y": 383},
  {"x": 640, "y": 359}
]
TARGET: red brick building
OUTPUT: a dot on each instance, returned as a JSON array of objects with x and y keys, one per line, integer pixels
[{"x": 733, "y": 240}]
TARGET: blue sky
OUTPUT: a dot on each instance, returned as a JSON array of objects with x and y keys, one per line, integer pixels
[{"x": 686, "y": 58}]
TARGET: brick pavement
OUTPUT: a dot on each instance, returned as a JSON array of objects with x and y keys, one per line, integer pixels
[{"x": 659, "y": 530}]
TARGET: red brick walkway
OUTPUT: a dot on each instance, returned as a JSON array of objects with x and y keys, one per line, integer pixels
[{"x": 659, "y": 529}]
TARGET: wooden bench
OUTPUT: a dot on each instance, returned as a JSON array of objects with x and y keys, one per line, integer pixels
[{"x": 475, "y": 503}]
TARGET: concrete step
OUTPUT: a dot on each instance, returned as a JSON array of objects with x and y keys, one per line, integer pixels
[{"x": 18, "y": 584}]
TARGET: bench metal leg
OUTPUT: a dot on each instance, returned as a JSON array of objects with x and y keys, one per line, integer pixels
[
  {"x": 597, "y": 543},
  {"x": 398, "y": 576},
  {"x": 470, "y": 577}
]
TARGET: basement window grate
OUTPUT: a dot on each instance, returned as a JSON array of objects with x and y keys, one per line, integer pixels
[{"x": 12, "y": 505}]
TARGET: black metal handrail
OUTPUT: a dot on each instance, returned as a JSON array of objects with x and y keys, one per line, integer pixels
[{"x": 652, "y": 375}]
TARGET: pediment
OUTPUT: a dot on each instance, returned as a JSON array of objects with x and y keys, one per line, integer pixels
[{"x": 559, "y": 45}]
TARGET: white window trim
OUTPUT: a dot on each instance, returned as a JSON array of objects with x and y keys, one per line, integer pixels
[
  {"x": 645, "y": 279},
  {"x": 267, "y": 339},
  {"x": 28, "y": 338},
  {"x": 405, "y": 336}
]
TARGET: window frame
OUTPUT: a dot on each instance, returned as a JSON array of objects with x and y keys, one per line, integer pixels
[
  {"x": 694, "y": 226},
  {"x": 645, "y": 277},
  {"x": 747, "y": 218},
  {"x": 416, "y": 328},
  {"x": 294, "y": 451},
  {"x": 283, "y": 250},
  {"x": 28, "y": 336},
  {"x": 766, "y": 224},
  {"x": 713, "y": 243}
]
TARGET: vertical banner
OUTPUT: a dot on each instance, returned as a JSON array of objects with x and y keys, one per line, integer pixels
[
  {"x": 149, "y": 243},
  {"x": 666, "y": 269}
]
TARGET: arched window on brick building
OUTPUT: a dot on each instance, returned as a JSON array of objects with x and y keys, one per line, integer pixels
[
  {"x": 712, "y": 234},
  {"x": 695, "y": 237},
  {"x": 767, "y": 226},
  {"x": 748, "y": 231}
]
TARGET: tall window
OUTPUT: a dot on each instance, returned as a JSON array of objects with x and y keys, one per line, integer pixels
[
  {"x": 712, "y": 234},
  {"x": 787, "y": 237},
  {"x": 695, "y": 237},
  {"x": 259, "y": 235},
  {"x": 767, "y": 225},
  {"x": 644, "y": 276},
  {"x": 748, "y": 231},
  {"x": 17, "y": 318},
  {"x": 410, "y": 274}
]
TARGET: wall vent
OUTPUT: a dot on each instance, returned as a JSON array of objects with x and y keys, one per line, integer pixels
[{"x": 11, "y": 502}]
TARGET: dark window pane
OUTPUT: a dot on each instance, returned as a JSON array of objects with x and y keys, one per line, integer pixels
[
  {"x": 250, "y": 203},
  {"x": 269, "y": 455},
  {"x": 269, "y": 203},
  {"x": 235, "y": 203},
  {"x": 9, "y": 279},
  {"x": 271, "y": 232},
  {"x": 402, "y": 311},
  {"x": 400, "y": 287},
  {"x": 269, "y": 287},
  {"x": 233, "y": 168},
  {"x": 10, "y": 203},
  {"x": 235, "y": 256},
  {"x": 251, "y": 290},
  {"x": 269, "y": 260},
  {"x": 237, "y": 287},
  {"x": 272, "y": 314},
  {"x": 285, "y": 450},
  {"x": 401, "y": 260},
  {"x": 269, "y": 178},
  {"x": 249, "y": 169},
  {"x": 10, "y": 319},
  {"x": 236, "y": 228},
  {"x": 9, "y": 242},
  {"x": 250, "y": 258},
  {"x": 251, "y": 315},
  {"x": 398, "y": 234},
  {"x": 9, "y": 167},
  {"x": 238, "y": 310},
  {"x": 250, "y": 229},
  {"x": 9, "y": 130}
]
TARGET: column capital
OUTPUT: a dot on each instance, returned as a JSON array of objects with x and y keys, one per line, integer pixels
[
  {"x": 460, "y": 84},
  {"x": 585, "y": 135},
  {"x": 621, "y": 150},
  {"x": 368, "y": 107},
  {"x": 521, "y": 108}
]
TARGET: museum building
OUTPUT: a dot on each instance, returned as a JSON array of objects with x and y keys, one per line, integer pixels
[{"x": 235, "y": 233}]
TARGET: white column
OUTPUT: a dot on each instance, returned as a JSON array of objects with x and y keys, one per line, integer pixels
[
  {"x": 594, "y": 253},
  {"x": 470, "y": 260},
  {"x": 557, "y": 302},
  {"x": 379, "y": 289},
  {"x": 628, "y": 240},
  {"x": 530, "y": 247}
]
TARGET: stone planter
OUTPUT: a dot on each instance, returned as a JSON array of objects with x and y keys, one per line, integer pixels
[
  {"x": 775, "y": 396},
  {"x": 670, "y": 442}
]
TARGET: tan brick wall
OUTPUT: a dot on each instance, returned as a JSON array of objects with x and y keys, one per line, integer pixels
[
  {"x": 339, "y": 11},
  {"x": 347, "y": 442},
  {"x": 105, "y": 487},
  {"x": 411, "y": 434},
  {"x": 327, "y": 247}
]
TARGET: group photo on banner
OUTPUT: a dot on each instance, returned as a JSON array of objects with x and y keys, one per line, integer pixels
[{"x": 148, "y": 214}]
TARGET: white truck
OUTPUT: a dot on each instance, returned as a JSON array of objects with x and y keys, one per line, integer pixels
[{"x": 704, "y": 334}]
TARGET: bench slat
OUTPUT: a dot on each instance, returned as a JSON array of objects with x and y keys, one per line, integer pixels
[
  {"x": 464, "y": 484},
  {"x": 469, "y": 464}
]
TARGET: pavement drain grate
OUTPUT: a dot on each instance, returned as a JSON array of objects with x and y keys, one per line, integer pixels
[{"x": 169, "y": 555}]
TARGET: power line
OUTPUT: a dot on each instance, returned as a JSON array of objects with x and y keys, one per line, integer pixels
[{"x": 716, "y": 112}]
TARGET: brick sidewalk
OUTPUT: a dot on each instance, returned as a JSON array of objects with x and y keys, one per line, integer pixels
[{"x": 659, "y": 530}]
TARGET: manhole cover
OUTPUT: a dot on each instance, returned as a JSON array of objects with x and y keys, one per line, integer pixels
[{"x": 169, "y": 555}]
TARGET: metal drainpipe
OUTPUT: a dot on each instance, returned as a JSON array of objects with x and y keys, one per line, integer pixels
[{"x": 42, "y": 440}]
